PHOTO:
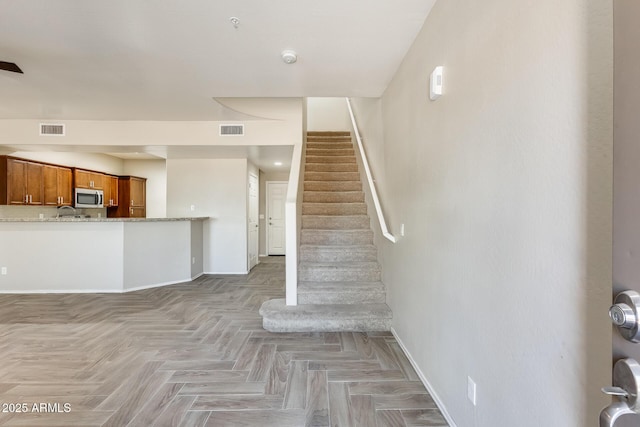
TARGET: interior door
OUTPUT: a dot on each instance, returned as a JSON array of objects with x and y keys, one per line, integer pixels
[
  {"x": 626, "y": 169},
  {"x": 276, "y": 198},
  {"x": 253, "y": 221}
]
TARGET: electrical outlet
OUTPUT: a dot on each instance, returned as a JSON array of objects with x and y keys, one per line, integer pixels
[
  {"x": 41, "y": 216},
  {"x": 4, "y": 271},
  {"x": 471, "y": 390},
  {"x": 193, "y": 260},
  {"x": 193, "y": 208}
]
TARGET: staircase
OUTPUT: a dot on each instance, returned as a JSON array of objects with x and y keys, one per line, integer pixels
[{"x": 339, "y": 279}]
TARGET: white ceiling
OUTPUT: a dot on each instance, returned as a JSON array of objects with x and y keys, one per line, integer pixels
[{"x": 184, "y": 60}]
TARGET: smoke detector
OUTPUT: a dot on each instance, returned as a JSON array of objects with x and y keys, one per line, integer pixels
[{"x": 289, "y": 56}]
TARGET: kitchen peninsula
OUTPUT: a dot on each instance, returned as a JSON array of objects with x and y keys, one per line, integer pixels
[{"x": 59, "y": 255}]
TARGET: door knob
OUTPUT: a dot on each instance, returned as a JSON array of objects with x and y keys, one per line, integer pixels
[
  {"x": 625, "y": 314},
  {"x": 626, "y": 381}
]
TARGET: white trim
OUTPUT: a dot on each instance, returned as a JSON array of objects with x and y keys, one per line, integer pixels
[
  {"x": 427, "y": 385},
  {"x": 100, "y": 291},
  {"x": 156, "y": 285},
  {"x": 249, "y": 175},
  {"x": 374, "y": 193},
  {"x": 291, "y": 227},
  {"x": 266, "y": 208},
  {"x": 262, "y": 255},
  {"x": 226, "y": 273},
  {"x": 61, "y": 291}
]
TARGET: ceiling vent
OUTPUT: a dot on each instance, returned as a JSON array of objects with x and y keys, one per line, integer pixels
[
  {"x": 231, "y": 130},
  {"x": 48, "y": 129}
]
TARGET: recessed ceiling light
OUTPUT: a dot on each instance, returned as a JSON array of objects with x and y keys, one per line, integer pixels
[
  {"x": 289, "y": 56},
  {"x": 277, "y": 163},
  {"x": 234, "y": 21}
]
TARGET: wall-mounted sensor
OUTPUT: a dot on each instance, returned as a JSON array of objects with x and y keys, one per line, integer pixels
[{"x": 435, "y": 85}]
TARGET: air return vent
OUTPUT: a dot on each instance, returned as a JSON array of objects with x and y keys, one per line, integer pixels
[
  {"x": 49, "y": 129},
  {"x": 231, "y": 130}
]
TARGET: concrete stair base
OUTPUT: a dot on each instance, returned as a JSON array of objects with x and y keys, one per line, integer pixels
[{"x": 278, "y": 317}]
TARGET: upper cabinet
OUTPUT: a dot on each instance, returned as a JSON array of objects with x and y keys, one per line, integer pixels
[
  {"x": 26, "y": 182},
  {"x": 88, "y": 179},
  {"x": 21, "y": 182},
  {"x": 110, "y": 184},
  {"x": 58, "y": 189},
  {"x": 132, "y": 194}
]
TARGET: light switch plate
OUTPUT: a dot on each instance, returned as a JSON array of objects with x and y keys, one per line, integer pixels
[{"x": 4, "y": 271}]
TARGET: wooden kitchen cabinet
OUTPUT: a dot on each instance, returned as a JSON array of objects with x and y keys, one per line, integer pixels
[
  {"x": 21, "y": 182},
  {"x": 110, "y": 188},
  {"x": 87, "y": 179},
  {"x": 58, "y": 190},
  {"x": 132, "y": 198}
]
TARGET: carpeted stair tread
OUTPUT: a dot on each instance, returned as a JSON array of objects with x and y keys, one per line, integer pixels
[
  {"x": 334, "y": 209},
  {"x": 332, "y": 186}
]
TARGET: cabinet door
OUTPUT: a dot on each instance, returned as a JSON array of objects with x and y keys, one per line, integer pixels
[
  {"x": 35, "y": 190},
  {"x": 138, "y": 197},
  {"x": 83, "y": 179},
  {"x": 106, "y": 188},
  {"x": 65, "y": 188},
  {"x": 50, "y": 180},
  {"x": 96, "y": 181},
  {"x": 137, "y": 212},
  {"x": 17, "y": 186},
  {"x": 114, "y": 190}
]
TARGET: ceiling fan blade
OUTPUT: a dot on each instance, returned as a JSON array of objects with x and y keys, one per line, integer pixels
[{"x": 10, "y": 66}]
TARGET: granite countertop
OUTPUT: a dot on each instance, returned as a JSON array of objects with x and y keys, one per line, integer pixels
[{"x": 71, "y": 219}]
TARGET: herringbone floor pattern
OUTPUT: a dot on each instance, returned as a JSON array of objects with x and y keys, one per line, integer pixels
[{"x": 195, "y": 354}]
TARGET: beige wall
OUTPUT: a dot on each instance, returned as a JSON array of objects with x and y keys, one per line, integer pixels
[
  {"x": 504, "y": 185},
  {"x": 156, "y": 173},
  {"x": 92, "y": 161},
  {"x": 217, "y": 188},
  {"x": 327, "y": 114}
]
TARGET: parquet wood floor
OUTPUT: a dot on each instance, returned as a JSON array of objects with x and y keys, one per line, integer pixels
[{"x": 195, "y": 354}]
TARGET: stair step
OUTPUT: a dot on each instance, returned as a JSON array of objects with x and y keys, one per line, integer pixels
[
  {"x": 335, "y": 222},
  {"x": 333, "y": 196},
  {"x": 332, "y": 186},
  {"x": 334, "y": 208},
  {"x": 356, "y": 271},
  {"x": 331, "y": 159},
  {"x": 332, "y": 133},
  {"x": 331, "y": 176},
  {"x": 325, "y": 253},
  {"x": 341, "y": 293},
  {"x": 336, "y": 237},
  {"x": 331, "y": 167},
  {"x": 330, "y": 139},
  {"x": 331, "y": 152},
  {"x": 279, "y": 317},
  {"x": 329, "y": 145}
]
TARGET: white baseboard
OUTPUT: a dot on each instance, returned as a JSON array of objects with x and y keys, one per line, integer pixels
[
  {"x": 230, "y": 273},
  {"x": 197, "y": 275},
  {"x": 61, "y": 291},
  {"x": 157, "y": 285},
  {"x": 97, "y": 291},
  {"x": 424, "y": 380},
  {"x": 262, "y": 255}
]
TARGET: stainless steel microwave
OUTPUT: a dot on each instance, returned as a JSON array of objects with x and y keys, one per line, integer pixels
[{"x": 89, "y": 198}]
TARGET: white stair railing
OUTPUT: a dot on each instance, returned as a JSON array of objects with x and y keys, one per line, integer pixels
[{"x": 367, "y": 170}]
